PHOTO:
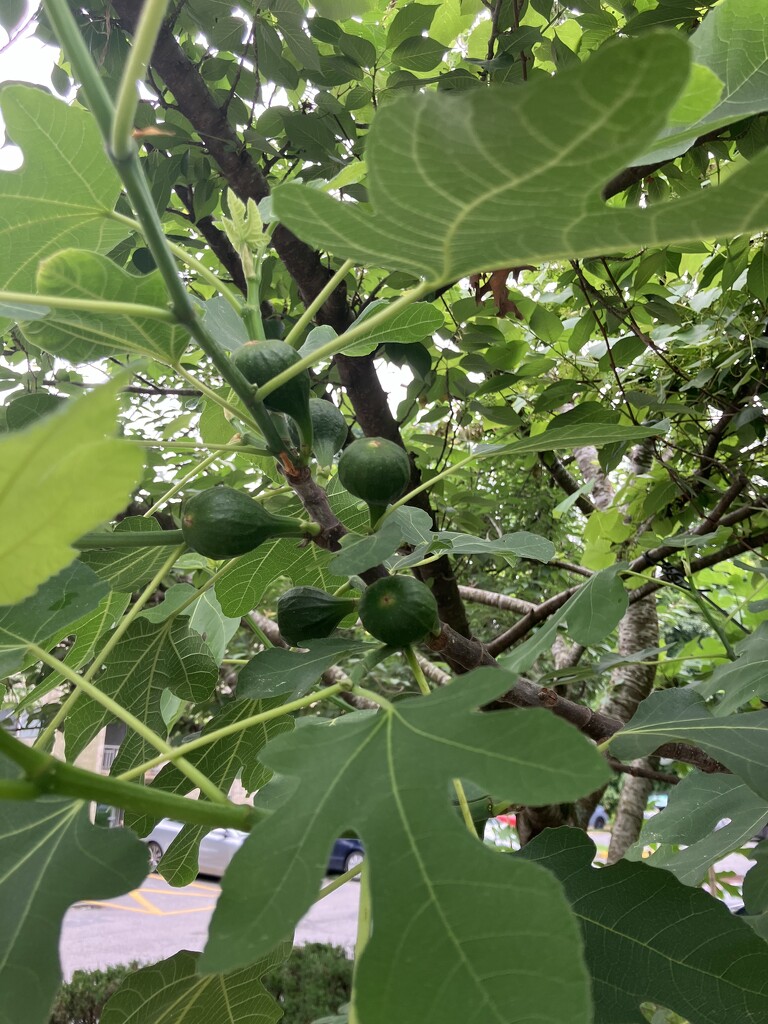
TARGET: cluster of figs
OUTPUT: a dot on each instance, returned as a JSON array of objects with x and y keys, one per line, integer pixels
[{"x": 222, "y": 522}]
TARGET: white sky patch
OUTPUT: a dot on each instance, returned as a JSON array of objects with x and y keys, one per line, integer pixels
[{"x": 23, "y": 59}]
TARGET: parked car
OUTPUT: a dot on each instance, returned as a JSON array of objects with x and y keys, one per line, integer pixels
[{"x": 219, "y": 846}]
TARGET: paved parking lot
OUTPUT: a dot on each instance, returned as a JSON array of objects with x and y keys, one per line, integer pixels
[{"x": 156, "y": 921}]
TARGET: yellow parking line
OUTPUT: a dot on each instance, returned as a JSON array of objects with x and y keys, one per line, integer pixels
[
  {"x": 206, "y": 895},
  {"x": 149, "y": 907}
]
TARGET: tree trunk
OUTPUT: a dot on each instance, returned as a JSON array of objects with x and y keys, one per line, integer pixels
[{"x": 629, "y": 816}]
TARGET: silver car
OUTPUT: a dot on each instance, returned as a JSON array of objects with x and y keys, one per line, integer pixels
[{"x": 217, "y": 848}]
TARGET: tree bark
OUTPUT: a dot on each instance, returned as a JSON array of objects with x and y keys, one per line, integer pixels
[{"x": 629, "y": 815}]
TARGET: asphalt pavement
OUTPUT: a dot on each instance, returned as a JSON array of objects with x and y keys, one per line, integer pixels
[{"x": 155, "y": 921}]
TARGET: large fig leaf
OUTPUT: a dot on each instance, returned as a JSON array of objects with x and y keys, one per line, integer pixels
[
  {"x": 483, "y": 179},
  {"x": 755, "y": 890},
  {"x": 59, "y": 478},
  {"x": 51, "y": 857},
  {"x": 48, "y": 615},
  {"x": 149, "y": 658},
  {"x": 696, "y": 807},
  {"x": 84, "y": 337},
  {"x": 650, "y": 938},
  {"x": 437, "y": 892},
  {"x": 172, "y": 992},
  {"x": 740, "y": 742},
  {"x": 63, "y": 194}
]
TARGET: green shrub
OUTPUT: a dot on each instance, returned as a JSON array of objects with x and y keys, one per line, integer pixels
[
  {"x": 80, "y": 1001},
  {"x": 314, "y": 982}
]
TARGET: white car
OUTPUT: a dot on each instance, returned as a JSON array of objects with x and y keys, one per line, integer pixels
[{"x": 216, "y": 849}]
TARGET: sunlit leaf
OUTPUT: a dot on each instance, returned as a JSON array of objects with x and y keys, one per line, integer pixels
[
  {"x": 42, "y": 211},
  {"x": 731, "y": 43},
  {"x": 503, "y": 177},
  {"x": 83, "y": 337},
  {"x": 59, "y": 478}
]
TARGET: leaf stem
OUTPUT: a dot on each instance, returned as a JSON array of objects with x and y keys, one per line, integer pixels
[
  {"x": 46, "y": 774},
  {"x": 338, "y": 882},
  {"x": 132, "y": 176},
  {"x": 340, "y": 343},
  {"x": 196, "y": 446},
  {"x": 464, "y": 807},
  {"x": 98, "y": 306},
  {"x": 148, "y": 28},
  {"x": 129, "y": 540},
  {"x": 428, "y": 483},
  {"x": 318, "y": 302},
  {"x": 417, "y": 670},
  {"x": 376, "y": 697},
  {"x": 705, "y": 611},
  {"x": 237, "y": 727},
  {"x": 68, "y": 34},
  {"x": 364, "y": 922},
  {"x": 196, "y": 470},
  {"x": 208, "y": 392},
  {"x": 210, "y": 582}
]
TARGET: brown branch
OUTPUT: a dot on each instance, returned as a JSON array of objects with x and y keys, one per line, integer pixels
[
  {"x": 642, "y": 773},
  {"x": 218, "y": 242},
  {"x": 501, "y": 601},
  {"x": 656, "y": 555},
  {"x": 738, "y": 547},
  {"x": 565, "y": 481},
  {"x": 633, "y": 175}
]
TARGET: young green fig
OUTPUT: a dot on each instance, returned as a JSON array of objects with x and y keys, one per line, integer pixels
[
  {"x": 307, "y": 613},
  {"x": 376, "y": 470},
  {"x": 223, "y": 523}
]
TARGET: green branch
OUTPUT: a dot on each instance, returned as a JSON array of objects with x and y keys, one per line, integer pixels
[
  {"x": 186, "y": 257},
  {"x": 148, "y": 29},
  {"x": 318, "y": 302},
  {"x": 46, "y": 774}
]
